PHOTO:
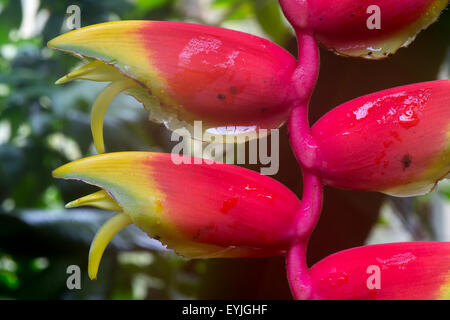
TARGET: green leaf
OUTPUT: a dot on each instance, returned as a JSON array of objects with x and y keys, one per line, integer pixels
[{"x": 270, "y": 17}]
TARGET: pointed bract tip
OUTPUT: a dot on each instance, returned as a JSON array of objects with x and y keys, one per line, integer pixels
[
  {"x": 104, "y": 236},
  {"x": 100, "y": 199},
  {"x": 62, "y": 80}
]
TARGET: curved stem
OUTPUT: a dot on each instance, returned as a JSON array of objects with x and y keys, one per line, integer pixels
[
  {"x": 304, "y": 79},
  {"x": 300, "y": 137},
  {"x": 305, "y": 149},
  {"x": 298, "y": 272},
  {"x": 305, "y": 222},
  {"x": 311, "y": 207},
  {"x": 308, "y": 65}
]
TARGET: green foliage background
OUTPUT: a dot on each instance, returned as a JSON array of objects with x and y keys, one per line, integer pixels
[{"x": 43, "y": 126}]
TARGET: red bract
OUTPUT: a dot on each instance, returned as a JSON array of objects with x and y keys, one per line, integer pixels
[
  {"x": 200, "y": 210},
  {"x": 234, "y": 82},
  {"x": 345, "y": 26},
  {"x": 415, "y": 270},
  {"x": 396, "y": 141}
]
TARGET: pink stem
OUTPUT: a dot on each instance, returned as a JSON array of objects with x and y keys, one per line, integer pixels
[
  {"x": 311, "y": 207},
  {"x": 308, "y": 65},
  {"x": 305, "y": 149},
  {"x": 298, "y": 272},
  {"x": 304, "y": 79},
  {"x": 305, "y": 222},
  {"x": 302, "y": 142}
]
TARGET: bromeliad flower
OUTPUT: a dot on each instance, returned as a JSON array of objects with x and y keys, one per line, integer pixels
[
  {"x": 236, "y": 83},
  {"x": 199, "y": 210},
  {"x": 401, "y": 271},
  {"x": 395, "y": 141},
  {"x": 370, "y": 29}
]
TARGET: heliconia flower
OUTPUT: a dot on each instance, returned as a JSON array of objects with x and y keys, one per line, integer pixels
[
  {"x": 200, "y": 210},
  {"x": 351, "y": 28},
  {"x": 234, "y": 82},
  {"x": 400, "y": 271},
  {"x": 395, "y": 141}
]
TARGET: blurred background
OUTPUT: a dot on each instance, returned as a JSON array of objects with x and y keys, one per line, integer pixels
[{"x": 43, "y": 126}]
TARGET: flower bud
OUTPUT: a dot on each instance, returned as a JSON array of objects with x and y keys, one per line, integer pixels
[
  {"x": 395, "y": 141},
  {"x": 399, "y": 271},
  {"x": 370, "y": 29},
  {"x": 234, "y": 82},
  {"x": 200, "y": 210}
]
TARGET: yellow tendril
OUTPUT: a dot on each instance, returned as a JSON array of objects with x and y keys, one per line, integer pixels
[
  {"x": 100, "y": 71},
  {"x": 101, "y": 106},
  {"x": 94, "y": 71},
  {"x": 103, "y": 237},
  {"x": 100, "y": 199}
]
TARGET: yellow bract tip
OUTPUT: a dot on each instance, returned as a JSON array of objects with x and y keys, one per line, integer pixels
[
  {"x": 103, "y": 238},
  {"x": 100, "y": 199},
  {"x": 95, "y": 71},
  {"x": 62, "y": 80},
  {"x": 101, "y": 106}
]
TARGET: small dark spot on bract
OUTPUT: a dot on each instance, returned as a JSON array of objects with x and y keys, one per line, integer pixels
[
  {"x": 264, "y": 110},
  {"x": 406, "y": 161},
  {"x": 320, "y": 19},
  {"x": 221, "y": 96},
  {"x": 233, "y": 90},
  {"x": 352, "y": 15},
  {"x": 202, "y": 230}
]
